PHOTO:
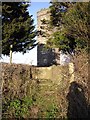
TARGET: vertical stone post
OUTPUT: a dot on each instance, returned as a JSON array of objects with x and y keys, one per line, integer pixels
[
  {"x": 71, "y": 72},
  {"x": 11, "y": 54},
  {"x": 0, "y": 63},
  {"x": 1, "y": 85}
]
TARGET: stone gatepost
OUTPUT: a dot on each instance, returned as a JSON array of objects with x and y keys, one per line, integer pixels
[{"x": 72, "y": 72}]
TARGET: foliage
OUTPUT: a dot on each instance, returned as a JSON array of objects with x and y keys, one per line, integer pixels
[
  {"x": 17, "y": 108},
  {"x": 17, "y": 27},
  {"x": 57, "y": 10},
  {"x": 76, "y": 23},
  {"x": 44, "y": 98},
  {"x": 61, "y": 41},
  {"x": 72, "y": 21},
  {"x": 49, "y": 111},
  {"x": 52, "y": 111}
]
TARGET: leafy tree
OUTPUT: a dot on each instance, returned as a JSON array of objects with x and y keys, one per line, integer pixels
[
  {"x": 57, "y": 10},
  {"x": 59, "y": 40},
  {"x": 72, "y": 20},
  {"x": 17, "y": 27},
  {"x": 76, "y": 23}
]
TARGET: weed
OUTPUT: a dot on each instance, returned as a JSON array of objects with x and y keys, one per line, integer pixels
[
  {"x": 51, "y": 111},
  {"x": 18, "y": 108}
]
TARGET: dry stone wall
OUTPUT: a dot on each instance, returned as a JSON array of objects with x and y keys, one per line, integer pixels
[
  {"x": 44, "y": 57},
  {"x": 46, "y": 83},
  {"x": 19, "y": 71}
]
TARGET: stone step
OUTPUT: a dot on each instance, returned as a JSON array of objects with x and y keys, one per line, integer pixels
[
  {"x": 53, "y": 82},
  {"x": 45, "y": 80},
  {"x": 47, "y": 87}
]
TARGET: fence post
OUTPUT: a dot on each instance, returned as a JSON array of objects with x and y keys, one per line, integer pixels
[{"x": 11, "y": 54}]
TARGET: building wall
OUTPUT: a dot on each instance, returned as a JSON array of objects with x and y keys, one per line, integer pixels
[
  {"x": 50, "y": 56},
  {"x": 45, "y": 57},
  {"x": 42, "y": 14}
]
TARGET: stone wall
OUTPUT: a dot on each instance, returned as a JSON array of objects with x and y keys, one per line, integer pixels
[
  {"x": 20, "y": 71},
  {"x": 42, "y": 14},
  {"x": 45, "y": 57},
  {"x": 52, "y": 84},
  {"x": 50, "y": 56}
]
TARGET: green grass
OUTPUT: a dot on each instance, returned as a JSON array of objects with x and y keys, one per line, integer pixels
[{"x": 40, "y": 101}]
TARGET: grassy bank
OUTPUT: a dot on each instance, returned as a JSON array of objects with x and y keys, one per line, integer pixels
[{"x": 26, "y": 94}]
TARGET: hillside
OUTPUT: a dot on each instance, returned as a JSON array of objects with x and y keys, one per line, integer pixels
[{"x": 44, "y": 92}]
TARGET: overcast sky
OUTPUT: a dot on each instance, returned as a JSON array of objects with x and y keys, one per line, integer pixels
[{"x": 31, "y": 56}]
